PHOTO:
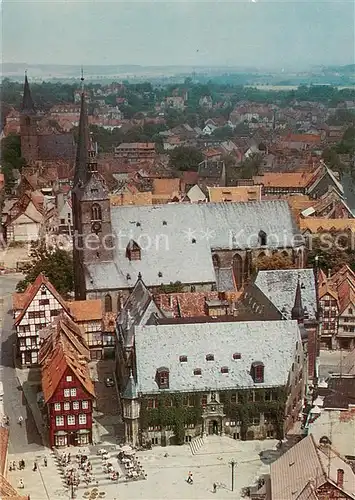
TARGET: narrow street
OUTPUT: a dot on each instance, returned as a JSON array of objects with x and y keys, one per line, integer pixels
[{"x": 25, "y": 438}]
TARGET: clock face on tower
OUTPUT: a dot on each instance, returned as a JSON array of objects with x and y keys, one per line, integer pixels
[{"x": 96, "y": 227}]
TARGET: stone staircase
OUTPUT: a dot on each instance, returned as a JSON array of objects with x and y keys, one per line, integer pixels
[{"x": 195, "y": 444}]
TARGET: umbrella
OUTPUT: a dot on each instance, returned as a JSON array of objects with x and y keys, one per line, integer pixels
[{"x": 126, "y": 448}]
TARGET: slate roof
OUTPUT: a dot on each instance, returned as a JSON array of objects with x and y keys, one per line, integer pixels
[
  {"x": 137, "y": 310},
  {"x": 280, "y": 285},
  {"x": 176, "y": 240},
  {"x": 273, "y": 343}
]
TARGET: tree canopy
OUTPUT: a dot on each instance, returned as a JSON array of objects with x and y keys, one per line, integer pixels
[
  {"x": 11, "y": 158},
  {"x": 56, "y": 265},
  {"x": 185, "y": 158},
  {"x": 275, "y": 261}
]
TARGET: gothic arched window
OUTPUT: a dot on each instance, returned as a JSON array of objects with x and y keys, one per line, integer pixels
[
  {"x": 238, "y": 271},
  {"x": 108, "y": 303},
  {"x": 96, "y": 212}
]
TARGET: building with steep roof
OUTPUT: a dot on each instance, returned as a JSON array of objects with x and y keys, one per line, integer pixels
[
  {"x": 307, "y": 471},
  {"x": 34, "y": 310},
  {"x": 337, "y": 298},
  {"x": 205, "y": 373},
  {"x": 68, "y": 390}
]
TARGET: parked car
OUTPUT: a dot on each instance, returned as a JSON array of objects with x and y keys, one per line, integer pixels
[{"x": 109, "y": 382}]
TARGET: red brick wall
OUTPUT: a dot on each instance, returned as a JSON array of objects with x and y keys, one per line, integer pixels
[{"x": 330, "y": 492}]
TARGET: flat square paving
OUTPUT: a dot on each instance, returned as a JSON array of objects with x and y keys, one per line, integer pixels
[{"x": 166, "y": 468}]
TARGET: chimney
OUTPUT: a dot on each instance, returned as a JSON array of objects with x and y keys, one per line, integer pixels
[{"x": 340, "y": 478}]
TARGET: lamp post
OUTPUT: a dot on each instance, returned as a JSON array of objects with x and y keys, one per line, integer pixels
[{"x": 233, "y": 463}]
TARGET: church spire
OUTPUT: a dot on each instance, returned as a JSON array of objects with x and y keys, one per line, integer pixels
[
  {"x": 81, "y": 161},
  {"x": 27, "y": 106},
  {"x": 298, "y": 310}
]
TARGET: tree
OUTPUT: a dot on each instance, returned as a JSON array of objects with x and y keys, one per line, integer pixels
[
  {"x": 250, "y": 166},
  {"x": 176, "y": 287},
  {"x": 332, "y": 251},
  {"x": 275, "y": 261},
  {"x": 11, "y": 158},
  {"x": 185, "y": 158},
  {"x": 55, "y": 264},
  {"x": 223, "y": 133}
]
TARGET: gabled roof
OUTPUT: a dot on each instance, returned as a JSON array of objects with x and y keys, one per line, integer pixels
[
  {"x": 31, "y": 291},
  {"x": 63, "y": 348},
  {"x": 280, "y": 286}
]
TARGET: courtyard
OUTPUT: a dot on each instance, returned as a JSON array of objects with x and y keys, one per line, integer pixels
[{"x": 166, "y": 469}]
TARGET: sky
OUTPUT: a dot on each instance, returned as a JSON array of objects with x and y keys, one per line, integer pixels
[{"x": 253, "y": 33}]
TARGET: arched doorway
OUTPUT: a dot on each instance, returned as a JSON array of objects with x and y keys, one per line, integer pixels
[
  {"x": 213, "y": 427},
  {"x": 237, "y": 265}
]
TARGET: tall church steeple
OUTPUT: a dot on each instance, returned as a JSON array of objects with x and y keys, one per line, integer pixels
[
  {"x": 29, "y": 127},
  {"x": 297, "y": 311},
  {"x": 82, "y": 157},
  {"x": 27, "y": 107}
]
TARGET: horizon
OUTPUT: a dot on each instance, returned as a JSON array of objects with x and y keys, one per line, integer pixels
[{"x": 291, "y": 35}]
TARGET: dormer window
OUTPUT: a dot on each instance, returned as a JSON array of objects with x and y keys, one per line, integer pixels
[
  {"x": 224, "y": 369},
  {"x": 165, "y": 223},
  {"x": 257, "y": 372},
  {"x": 160, "y": 274},
  {"x": 209, "y": 357},
  {"x": 133, "y": 251},
  {"x": 162, "y": 377},
  {"x": 237, "y": 355},
  {"x": 197, "y": 371},
  {"x": 193, "y": 240},
  {"x": 183, "y": 359},
  {"x": 96, "y": 213},
  {"x": 262, "y": 239}
]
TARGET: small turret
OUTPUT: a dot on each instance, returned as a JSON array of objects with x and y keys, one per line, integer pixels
[{"x": 297, "y": 311}]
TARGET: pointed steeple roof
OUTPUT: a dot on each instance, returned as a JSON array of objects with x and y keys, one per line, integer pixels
[
  {"x": 130, "y": 391},
  {"x": 297, "y": 311},
  {"x": 82, "y": 151},
  {"x": 27, "y": 106}
]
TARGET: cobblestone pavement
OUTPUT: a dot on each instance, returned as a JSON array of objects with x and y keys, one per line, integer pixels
[{"x": 166, "y": 475}]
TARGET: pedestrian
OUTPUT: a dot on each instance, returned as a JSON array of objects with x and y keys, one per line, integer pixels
[
  {"x": 21, "y": 484},
  {"x": 13, "y": 465},
  {"x": 214, "y": 487},
  {"x": 20, "y": 420},
  {"x": 23, "y": 463},
  {"x": 45, "y": 461},
  {"x": 189, "y": 478},
  {"x": 34, "y": 466}
]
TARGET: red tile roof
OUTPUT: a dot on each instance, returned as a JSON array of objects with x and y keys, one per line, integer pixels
[
  {"x": 30, "y": 293},
  {"x": 86, "y": 310},
  {"x": 64, "y": 348},
  {"x": 187, "y": 304}
]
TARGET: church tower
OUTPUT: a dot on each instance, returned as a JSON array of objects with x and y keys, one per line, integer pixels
[
  {"x": 28, "y": 127},
  {"x": 93, "y": 240}
]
